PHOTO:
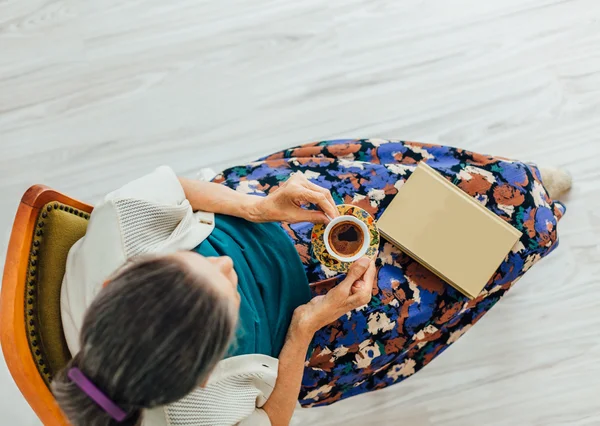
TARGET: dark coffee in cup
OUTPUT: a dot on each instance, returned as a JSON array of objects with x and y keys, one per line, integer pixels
[{"x": 346, "y": 239}]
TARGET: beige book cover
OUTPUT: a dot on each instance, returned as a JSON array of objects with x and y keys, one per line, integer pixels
[{"x": 447, "y": 231}]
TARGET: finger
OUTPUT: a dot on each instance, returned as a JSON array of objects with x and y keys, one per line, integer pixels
[
  {"x": 321, "y": 201},
  {"x": 313, "y": 216},
  {"x": 356, "y": 286},
  {"x": 370, "y": 274},
  {"x": 323, "y": 191},
  {"x": 327, "y": 195},
  {"x": 356, "y": 271},
  {"x": 366, "y": 280},
  {"x": 361, "y": 296},
  {"x": 362, "y": 290},
  {"x": 360, "y": 287},
  {"x": 297, "y": 177}
]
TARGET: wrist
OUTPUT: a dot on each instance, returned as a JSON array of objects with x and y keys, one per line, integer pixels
[
  {"x": 301, "y": 336},
  {"x": 303, "y": 325},
  {"x": 251, "y": 209}
]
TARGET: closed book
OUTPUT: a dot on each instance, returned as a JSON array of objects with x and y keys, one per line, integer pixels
[{"x": 447, "y": 231}]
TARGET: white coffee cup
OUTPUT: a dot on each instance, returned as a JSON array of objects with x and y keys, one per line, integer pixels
[{"x": 366, "y": 240}]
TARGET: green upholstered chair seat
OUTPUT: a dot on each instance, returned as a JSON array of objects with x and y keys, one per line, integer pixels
[{"x": 58, "y": 227}]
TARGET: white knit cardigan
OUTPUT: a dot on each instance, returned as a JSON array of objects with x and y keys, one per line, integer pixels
[{"x": 152, "y": 215}]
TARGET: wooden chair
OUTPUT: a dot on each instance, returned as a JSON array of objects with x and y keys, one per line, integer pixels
[{"x": 46, "y": 225}]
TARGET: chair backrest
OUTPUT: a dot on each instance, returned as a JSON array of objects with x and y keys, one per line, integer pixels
[{"x": 46, "y": 225}]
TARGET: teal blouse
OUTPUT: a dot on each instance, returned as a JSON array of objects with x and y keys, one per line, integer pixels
[{"x": 271, "y": 281}]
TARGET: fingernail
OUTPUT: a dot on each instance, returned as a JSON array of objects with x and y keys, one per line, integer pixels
[{"x": 364, "y": 261}]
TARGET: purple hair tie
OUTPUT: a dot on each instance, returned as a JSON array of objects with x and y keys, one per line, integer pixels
[{"x": 96, "y": 395}]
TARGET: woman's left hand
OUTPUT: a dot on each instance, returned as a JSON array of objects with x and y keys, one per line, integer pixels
[
  {"x": 353, "y": 292},
  {"x": 286, "y": 203}
]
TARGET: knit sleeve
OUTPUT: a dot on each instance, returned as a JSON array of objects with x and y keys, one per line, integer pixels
[
  {"x": 152, "y": 212},
  {"x": 147, "y": 226},
  {"x": 232, "y": 401},
  {"x": 161, "y": 186},
  {"x": 258, "y": 417}
]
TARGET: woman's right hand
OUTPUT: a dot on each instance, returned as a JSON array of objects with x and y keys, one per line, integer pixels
[{"x": 353, "y": 292}]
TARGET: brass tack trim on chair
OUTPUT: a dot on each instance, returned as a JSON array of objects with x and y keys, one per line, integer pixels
[{"x": 31, "y": 319}]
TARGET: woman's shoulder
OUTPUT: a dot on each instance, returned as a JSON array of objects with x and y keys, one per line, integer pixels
[
  {"x": 159, "y": 186},
  {"x": 235, "y": 391},
  {"x": 243, "y": 365}
]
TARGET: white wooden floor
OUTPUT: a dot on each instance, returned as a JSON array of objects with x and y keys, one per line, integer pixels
[{"x": 94, "y": 93}]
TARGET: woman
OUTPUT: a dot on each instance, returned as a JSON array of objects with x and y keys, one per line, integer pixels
[{"x": 156, "y": 339}]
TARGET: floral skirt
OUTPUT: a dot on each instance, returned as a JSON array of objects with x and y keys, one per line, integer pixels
[{"x": 413, "y": 315}]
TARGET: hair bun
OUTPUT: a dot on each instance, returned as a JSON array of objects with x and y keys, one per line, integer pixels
[{"x": 82, "y": 410}]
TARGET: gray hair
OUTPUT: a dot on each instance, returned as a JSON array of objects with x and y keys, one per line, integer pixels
[{"x": 148, "y": 339}]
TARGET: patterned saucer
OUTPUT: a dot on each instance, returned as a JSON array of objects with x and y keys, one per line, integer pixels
[{"x": 318, "y": 245}]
